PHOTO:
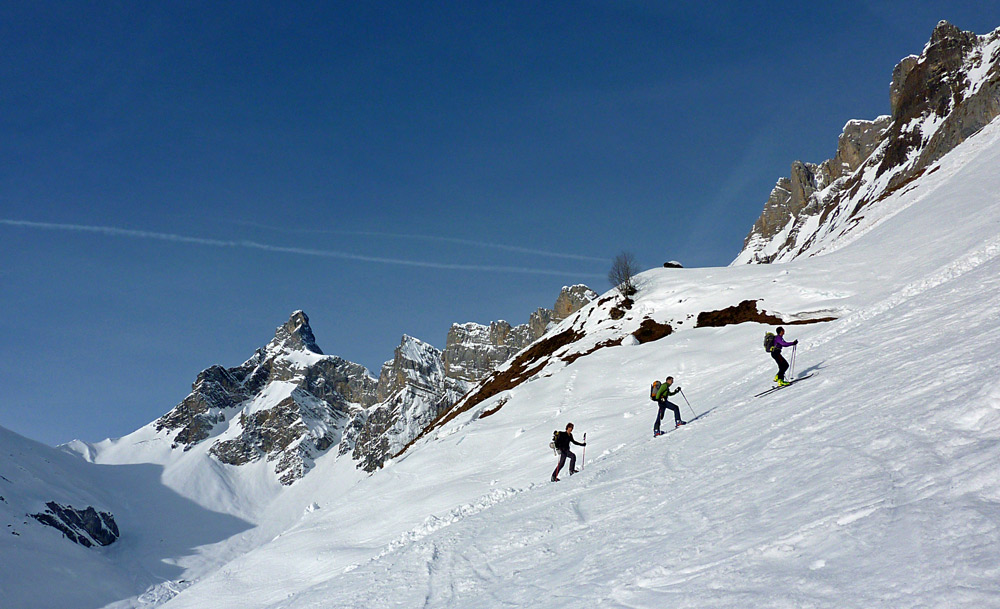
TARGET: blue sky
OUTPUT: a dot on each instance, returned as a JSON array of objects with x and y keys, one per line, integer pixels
[{"x": 176, "y": 179}]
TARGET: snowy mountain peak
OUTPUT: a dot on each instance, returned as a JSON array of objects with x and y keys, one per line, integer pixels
[
  {"x": 294, "y": 335},
  {"x": 287, "y": 404},
  {"x": 416, "y": 363},
  {"x": 937, "y": 100},
  {"x": 947, "y": 31}
]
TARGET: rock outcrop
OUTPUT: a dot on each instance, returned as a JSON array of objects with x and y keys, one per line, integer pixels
[
  {"x": 472, "y": 351},
  {"x": 87, "y": 527},
  {"x": 413, "y": 391},
  {"x": 937, "y": 100},
  {"x": 571, "y": 299}
]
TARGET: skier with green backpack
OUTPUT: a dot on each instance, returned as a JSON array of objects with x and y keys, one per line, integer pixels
[{"x": 659, "y": 392}]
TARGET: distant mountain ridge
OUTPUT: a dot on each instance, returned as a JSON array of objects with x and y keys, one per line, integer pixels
[
  {"x": 937, "y": 100},
  {"x": 290, "y": 403}
]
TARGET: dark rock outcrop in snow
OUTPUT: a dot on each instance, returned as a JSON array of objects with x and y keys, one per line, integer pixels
[
  {"x": 747, "y": 311},
  {"x": 87, "y": 527},
  {"x": 650, "y": 330}
]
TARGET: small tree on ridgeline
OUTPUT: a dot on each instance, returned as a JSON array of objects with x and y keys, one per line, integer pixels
[{"x": 623, "y": 272}]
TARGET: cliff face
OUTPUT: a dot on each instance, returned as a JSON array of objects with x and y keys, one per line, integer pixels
[
  {"x": 413, "y": 390},
  {"x": 937, "y": 100},
  {"x": 473, "y": 350}
]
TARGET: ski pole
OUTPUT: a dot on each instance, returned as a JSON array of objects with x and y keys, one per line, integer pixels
[
  {"x": 686, "y": 400},
  {"x": 794, "y": 349},
  {"x": 583, "y": 457}
]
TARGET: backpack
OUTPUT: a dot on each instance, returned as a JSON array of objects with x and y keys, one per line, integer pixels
[
  {"x": 552, "y": 444},
  {"x": 768, "y": 341},
  {"x": 654, "y": 389}
]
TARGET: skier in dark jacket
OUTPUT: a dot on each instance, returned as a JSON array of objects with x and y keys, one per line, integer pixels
[
  {"x": 779, "y": 342},
  {"x": 661, "y": 398},
  {"x": 563, "y": 439}
]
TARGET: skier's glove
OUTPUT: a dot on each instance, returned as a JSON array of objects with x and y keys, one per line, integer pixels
[{"x": 795, "y": 342}]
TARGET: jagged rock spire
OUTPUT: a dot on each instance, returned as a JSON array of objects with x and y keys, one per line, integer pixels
[{"x": 295, "y": 335}]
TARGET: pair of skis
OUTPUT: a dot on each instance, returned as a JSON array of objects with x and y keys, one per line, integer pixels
[
  {"x": 663, "y": 433},
  {"x": 777, "y": 387},
  {"x": 689, "y": 421}
]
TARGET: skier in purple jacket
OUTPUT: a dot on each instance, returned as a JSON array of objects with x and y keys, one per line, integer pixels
[{"x": 779, "y": 342}]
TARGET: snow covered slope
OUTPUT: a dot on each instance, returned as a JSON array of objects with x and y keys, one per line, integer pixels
[
  {"x": 40, "y": 567},
  {"x": 871, "y": 484}
]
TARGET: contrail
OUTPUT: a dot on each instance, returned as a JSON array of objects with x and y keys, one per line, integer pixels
[
  {"x": 456, "y": 240},
  {"x": 113, "y": 231}
]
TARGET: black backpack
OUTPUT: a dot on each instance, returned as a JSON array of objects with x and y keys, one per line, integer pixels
[
  {"x": 555, "y": 436},
  {"x": 769, "y": 341}
]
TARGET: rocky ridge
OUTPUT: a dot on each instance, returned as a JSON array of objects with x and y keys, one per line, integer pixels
[
  {"x": 473, "y": 350},
  {"x": 413, "y": 388},
  {"x": 937, "y": 100},
  {"x": 290, "y": 403},
  {"x": 87, "y": 527}
]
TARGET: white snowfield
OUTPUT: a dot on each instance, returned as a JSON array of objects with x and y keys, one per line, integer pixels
[{"x": 874, "y": 483}]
